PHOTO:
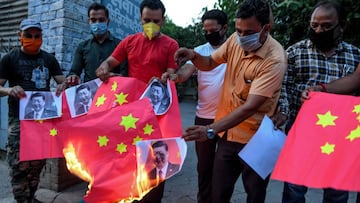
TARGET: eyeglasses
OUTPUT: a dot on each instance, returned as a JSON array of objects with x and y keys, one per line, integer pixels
[{"x": 30, "y": 36}]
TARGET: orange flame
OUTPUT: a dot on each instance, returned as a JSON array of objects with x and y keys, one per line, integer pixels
[{"x": 74, "y": 166}]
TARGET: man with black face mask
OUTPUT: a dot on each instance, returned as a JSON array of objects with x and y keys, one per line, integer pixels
[
  {"x": 322, "y": 58},
  {"x": 209, "y": 89}
]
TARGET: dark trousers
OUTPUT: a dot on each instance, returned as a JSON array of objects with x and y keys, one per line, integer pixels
[
  {"x": 227, "y": 168},
  {"x": 296, "y": 194},
  {"x": 205, "y": 152}
]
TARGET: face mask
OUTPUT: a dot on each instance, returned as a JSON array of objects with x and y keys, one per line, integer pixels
[
  {"x": 250, "y": 42},
  {"x": 214, "y": 38},
  {"x": 31, "y": 45},
  {"x": 99, "y": 28},
  {"x": 324, "y": 40},
  {"x": 151, "y": 30}
]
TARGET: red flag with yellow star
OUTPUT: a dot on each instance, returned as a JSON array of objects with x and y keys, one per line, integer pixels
[
  {"x": 43, "y": 139},
  {"x": 116, "y": 92},
  {"x": 322, "y": 147},
  {"x": 102, "y": 147}
]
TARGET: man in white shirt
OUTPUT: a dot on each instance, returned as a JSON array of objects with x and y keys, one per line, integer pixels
[{"x": 209, "y": 89}]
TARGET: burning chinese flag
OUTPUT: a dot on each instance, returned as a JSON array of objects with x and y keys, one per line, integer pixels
[
  {"x": 322, "y": 147},
  {"x": 43, "y": 139},
  {"x": 102, "y": 147}
]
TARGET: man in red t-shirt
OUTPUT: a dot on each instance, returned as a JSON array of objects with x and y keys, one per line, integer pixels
[{"x": 150, "y": 53}]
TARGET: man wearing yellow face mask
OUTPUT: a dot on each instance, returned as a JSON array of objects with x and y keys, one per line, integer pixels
[
  {"x": 149, "y": 53},
  {"x": 27, "y": 69}
]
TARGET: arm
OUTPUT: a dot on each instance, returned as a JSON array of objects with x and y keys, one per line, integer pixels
[
  {"x": 73, "y": 77},
  {"x": 240, "y": 114},
  {"x": 60, "y": 80},
  {"x": 201, "y": 62},
  {"x": 345, "y": 85},
  {"x": 103, "y": 71},
  {"x": 181, "y": 75},
  {"x": 15, "y": 91}
]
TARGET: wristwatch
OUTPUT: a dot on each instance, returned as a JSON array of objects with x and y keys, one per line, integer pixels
[{"x": 210, "y": 133}]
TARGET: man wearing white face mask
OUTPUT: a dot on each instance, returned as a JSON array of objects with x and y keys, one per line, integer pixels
[
  {"x": 256, "y": 64},
  {"x": 149, "y": 53},
  {"x": 91, "y": 52}
]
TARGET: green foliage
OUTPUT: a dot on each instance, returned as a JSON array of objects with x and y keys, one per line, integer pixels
[{"x": 291, "y": 19}]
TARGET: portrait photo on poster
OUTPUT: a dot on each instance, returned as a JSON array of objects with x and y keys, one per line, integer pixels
[
  {"x": 160, "y": 159},
  {"x": 39, "y": 105},
  {"x": 79, "y": 98},
  {"x": 159, "y": 96}
]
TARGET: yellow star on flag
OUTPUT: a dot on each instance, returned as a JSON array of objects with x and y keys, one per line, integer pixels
[
  {"x": 121, "y": 148},
  {"x": 136, "y": 139},
  {"x": 53, "y": 132},
  {"x": 128, "y": 121},
  {"x": 100, "y": 100},
  {"x": 326, "y": 119},
  {"x": 121, "y": 98},
  {"x": 114, "y": 86},
  {"x": 356, "y": 109},
  {"x": 327, "y": 148},
  {"x": 354, "y": 134},
  {"x": 358, "y": 118},
  {"x": 102, "y": 140},
  {"x": 148, "y": 129}
]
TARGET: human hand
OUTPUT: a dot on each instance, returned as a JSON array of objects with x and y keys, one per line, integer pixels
[
  {"x": 103, "y": 72},
  {"x": 16, "y": 91},
  {"x": 195, "y": 133},
  {"x": 183, "y": 54},
  {"x": 169, "y": 76},
  {"x": 305, "y": 93},
  {"x": 279, "y": 119},
  {"x": 72, "y": 80},
  {"x": 61, "y": 87}
]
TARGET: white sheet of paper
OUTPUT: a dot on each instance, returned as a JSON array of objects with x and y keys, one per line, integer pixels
[{"x": 262, "y": 151}]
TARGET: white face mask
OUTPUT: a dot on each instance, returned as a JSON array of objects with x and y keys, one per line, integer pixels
[{"x": 250, "y": 42}]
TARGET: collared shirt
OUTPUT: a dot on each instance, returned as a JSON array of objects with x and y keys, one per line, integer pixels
[
  {"x": 90, "y": 54},
  {"x": 163, "y": 171},
  {"x": 257, "y": 73},
  {"x": 307, "y": 66}
]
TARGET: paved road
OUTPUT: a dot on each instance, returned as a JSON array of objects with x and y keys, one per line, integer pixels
[{"x": 181, "y": 188}]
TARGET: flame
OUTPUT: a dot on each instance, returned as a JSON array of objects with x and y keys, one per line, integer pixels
[{"x": 74, "y": 166}]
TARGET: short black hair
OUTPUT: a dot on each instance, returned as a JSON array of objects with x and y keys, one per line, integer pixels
[
  {"x": 37, "y": 94},
  {"x": 258, "y": 8},
  {"x": 153, "y": 5},
  {"x": 215, "y": 14},
  {"x": 331, "y": 4},
  {"x": 82, "y": 86},
  {"x": 157, "y": 144},
  {"x": 96, "y": 6}
]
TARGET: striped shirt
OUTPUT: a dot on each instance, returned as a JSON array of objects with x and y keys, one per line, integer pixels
[{"x": 307, "y": 66}]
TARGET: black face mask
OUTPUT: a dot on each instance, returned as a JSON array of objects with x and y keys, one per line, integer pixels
[
  {"x": 214, "y": 38},
  {"x": 324, "y": 40}
]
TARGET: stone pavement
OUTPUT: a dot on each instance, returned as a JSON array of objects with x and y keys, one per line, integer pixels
[{"x": 181, "y": 188}]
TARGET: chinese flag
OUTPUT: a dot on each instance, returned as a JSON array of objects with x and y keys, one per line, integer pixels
[
  {"x": 323, "y": 146},
  {"x": 116, "y": 92},
  {"x": 170, "y": 122},
  {"x": 104, "y": 144},
  {"x": 43, "y": 139}
]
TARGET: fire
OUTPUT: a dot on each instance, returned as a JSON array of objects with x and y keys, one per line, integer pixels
[{"x": 74, "y": 166}]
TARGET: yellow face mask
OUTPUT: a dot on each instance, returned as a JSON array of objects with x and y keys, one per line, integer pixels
[
  {"x": 151, "y": 30},
  {"x": 31, "y": 45}
]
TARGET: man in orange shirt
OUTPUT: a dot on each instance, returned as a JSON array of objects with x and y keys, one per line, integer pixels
[{"x": 256, "y": 64}]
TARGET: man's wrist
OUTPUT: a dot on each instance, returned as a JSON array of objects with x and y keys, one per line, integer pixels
[{"x": 323, "y": 87}]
